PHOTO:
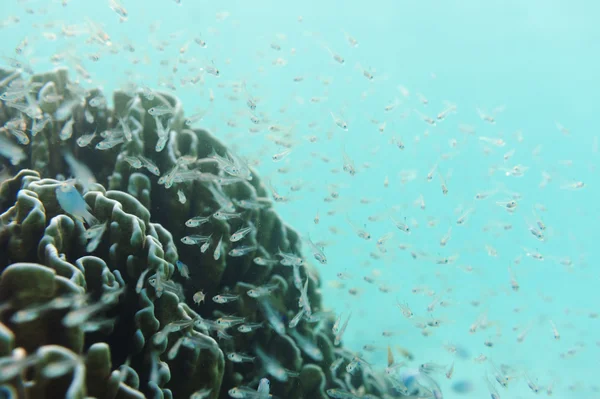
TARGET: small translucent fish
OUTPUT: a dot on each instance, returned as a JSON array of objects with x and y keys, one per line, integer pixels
[
  {"x": 221, "y": 215},
  {"x": 307, "y": 346},
  {"x": 390, "y": 357},
  {"x": 340, "y": 333},
  {"x": 272, "y": 366},
  {"x": 250, "y": 204},
  {"x": 339, "y": 122},
  {"x": 197, "y": 221},
  {"x": 94, "y": 235},
  {"x": 195, "y": 239},
  {"x": 336, "y": 364},
  {"x": 264, "y": 387},
  {"x": 485, "y": 117},
  {"x": 16, "y": 127},
  {"x": 498, "y": 142},
  {"x": 531, "y": 384},
  {"x": 12, "y": 367},
  {"x": 492, "y": 389},
  {"x": 290, "y": 259},
  {"x": 161, "y": 131},
  {"x": 259, "y": 260},
  {"x": 217, "y": 252},
  {"x": 9, "y": 150},
  {"x": 241, "y": 233},
  {"x": 429, "y": 368},
  {"x": 449, "y": 109},
  {"x": 577, "y": 185},
  {"x": 229, "y": 321},
  {"x": 337, "y": 57},
  {"x": 400, "y": 226},
  {"x": 237, "y": 357},
  {"x": 317, "y": 252},
  {"x": 280, "y": 156},
  {"x": 352, "y": 366},
  {"x": 183, "y": 269},
  {"x": 198, "y": 297},
  {"x": 555, "y": 332},
  {"x": 72, "y": 202},
  {"x": 225, "y": 298},
  {"x": 336, "y": 393},
  {"x": 243, "y": 393},
  {"x": 405, "y": 309},
  {"x": 156, "y": 282},
  {"x": 242, "y": 250},
  {"x": 427, "y": 119},
  {"x": 97, "y": 101},
  {"x": 296, "y": 319},
  {"x": 127, "y": 132},
  {"x": 119, "y": 9},
  {"x": 58, "y": 368},
  {"x": 212, "y": 69},
  {"x": 134, "y": 162},
  {"x": 81, "y": 315},
  {"x": 303, "y": 301},
  {"x": 485, "y": 194},
  {"x": 140, "y": 283},
  {"x": 361, "y": 233},
  {"x": 273, "y": 317},
  {"x": 149, "y": 165},
  {"x": 189, "y": 121},
  {"x": 86, "y": 139},
  {"x": 109, "y": 143},
  {"x": 39, "y": 125},
  {"x": 181, "y": 197},
  {"x": 534, "y": 254},
  {"x": 204, "y": 247},
  {"x": 365, "y": 72},
  {"x": 336, "y": 325},
  {"x": 462, "y": 219},
  {"x": 160, "y": 143},
  {"x": 89, "y": 117},
  {"x": 262, "y": 291},
  {"x": 161, "y": 110}
]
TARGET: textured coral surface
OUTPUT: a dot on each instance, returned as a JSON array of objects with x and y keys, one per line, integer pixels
[{"x": 108, "y": 309}]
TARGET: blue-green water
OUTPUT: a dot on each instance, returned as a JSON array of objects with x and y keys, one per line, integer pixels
[{"x": 532, "y": 64}]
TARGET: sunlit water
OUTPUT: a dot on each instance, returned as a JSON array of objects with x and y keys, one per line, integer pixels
[{"x": 532, "y": 66}]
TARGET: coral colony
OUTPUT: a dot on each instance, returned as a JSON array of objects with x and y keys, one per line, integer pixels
[{"x": 160, "y": 269}]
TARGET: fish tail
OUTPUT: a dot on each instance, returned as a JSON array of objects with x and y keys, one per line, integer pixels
[{"x": 89, "y": 218}]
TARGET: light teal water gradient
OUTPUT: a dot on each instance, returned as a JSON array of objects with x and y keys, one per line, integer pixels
[{"x": 539, "y": 59}]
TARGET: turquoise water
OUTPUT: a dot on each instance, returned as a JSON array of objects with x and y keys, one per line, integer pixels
[{"x": 532, "y": 65}]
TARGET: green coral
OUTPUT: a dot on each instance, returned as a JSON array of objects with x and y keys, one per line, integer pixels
[{"x": 147, "y": 337}]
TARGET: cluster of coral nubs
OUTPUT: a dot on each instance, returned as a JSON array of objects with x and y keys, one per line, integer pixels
[{"x": 139, "y": 257}]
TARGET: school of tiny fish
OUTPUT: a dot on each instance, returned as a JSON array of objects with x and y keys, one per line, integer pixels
[{"x": 434, "y": 224}]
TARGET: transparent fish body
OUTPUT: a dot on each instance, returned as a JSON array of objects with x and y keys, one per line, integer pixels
[
  {"x": 272, "y": 366},
  {"x": 242, "y": 250},
  {"x": 307, "y": 346},
  {"x": 273, "y": 317}
]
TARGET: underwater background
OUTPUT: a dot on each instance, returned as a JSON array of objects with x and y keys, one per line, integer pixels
[{"x": 365, "y": 113}]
